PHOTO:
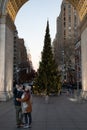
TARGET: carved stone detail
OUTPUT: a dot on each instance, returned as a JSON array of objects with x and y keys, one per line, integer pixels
[{"x": 81, "y": 7}]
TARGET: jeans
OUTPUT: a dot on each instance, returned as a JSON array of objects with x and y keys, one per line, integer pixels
[
  {"x": 28, "y": 118},
  {"x": 18, "y": 115}
]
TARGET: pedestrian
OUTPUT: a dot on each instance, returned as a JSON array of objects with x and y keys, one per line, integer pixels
[
  {"x": 17, "y": 92},
  {"x": 26, "y": 107}
]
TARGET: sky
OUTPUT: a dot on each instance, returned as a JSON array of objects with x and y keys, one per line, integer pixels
[{"x": 31, "y": 21}]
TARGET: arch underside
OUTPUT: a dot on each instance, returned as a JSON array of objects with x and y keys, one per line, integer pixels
[
  {"x": 13, "y": 7},
  {"x": 81, "y": 7}
]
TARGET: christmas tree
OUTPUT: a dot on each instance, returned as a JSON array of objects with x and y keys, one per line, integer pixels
[{"x": 47, "y": 75}]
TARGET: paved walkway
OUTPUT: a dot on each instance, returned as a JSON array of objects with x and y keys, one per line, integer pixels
[{"x": 60, "y": 113}]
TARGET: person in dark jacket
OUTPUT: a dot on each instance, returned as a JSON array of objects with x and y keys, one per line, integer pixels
[
  {"x": 17, "y": 92},
  {"x": 26, "y": 107}
]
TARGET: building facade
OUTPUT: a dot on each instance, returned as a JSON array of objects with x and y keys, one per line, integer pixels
[
  {"x": 20, "y": 62},
  {"x": 66, "y": 35}
]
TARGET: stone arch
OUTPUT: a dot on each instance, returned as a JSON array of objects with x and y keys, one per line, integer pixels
[
  {"x": 7, "y": 28},
  {"x": 81, "y": 7},
  {"x": 12, "y": 7}
]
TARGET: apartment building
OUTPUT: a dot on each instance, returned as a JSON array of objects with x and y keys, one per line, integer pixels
[{"x": 66, "y": 35}]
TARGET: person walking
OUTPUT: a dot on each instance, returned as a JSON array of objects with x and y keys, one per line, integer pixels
[
  {"x": 17, "y": 92},
  {"x": 26, "y": 107}
]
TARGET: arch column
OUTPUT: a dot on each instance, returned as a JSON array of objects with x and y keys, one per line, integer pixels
[
  {"x": 6, "y": 57},
  {"x": 84, "y": 55}
]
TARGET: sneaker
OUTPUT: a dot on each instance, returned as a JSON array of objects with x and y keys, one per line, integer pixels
[
  {"x": 26, "y": 126},
  {"x": 30, "y": 126}
]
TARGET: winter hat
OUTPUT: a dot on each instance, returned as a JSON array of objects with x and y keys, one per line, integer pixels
[{"x": 27, "y": 88}]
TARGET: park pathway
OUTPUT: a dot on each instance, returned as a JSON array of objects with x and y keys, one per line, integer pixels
[{"x": 60, "y": 113}]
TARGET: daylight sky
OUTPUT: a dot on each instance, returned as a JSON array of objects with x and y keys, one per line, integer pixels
[{"x": 31, "y": 23}]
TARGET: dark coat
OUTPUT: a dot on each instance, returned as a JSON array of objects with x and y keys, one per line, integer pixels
[{"x": 17, "y": 94}]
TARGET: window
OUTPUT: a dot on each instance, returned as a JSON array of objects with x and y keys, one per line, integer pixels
[
  {"x": 64, "y": 24},
  {"x": 69, "y": 6},
  {"x": 64, "y": 18},
  {"x": 69, "y": 18},
  {"x": 69, "y": 28}
]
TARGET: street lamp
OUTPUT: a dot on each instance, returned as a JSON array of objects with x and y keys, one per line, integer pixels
[
  {"x": 17, "y": 73},
  {"x": 63, "y": 66}
]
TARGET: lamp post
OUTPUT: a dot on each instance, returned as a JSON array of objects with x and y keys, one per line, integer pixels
[
  {"x": 17, "y": 74},
  {"x": 63, "y": 66}
]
